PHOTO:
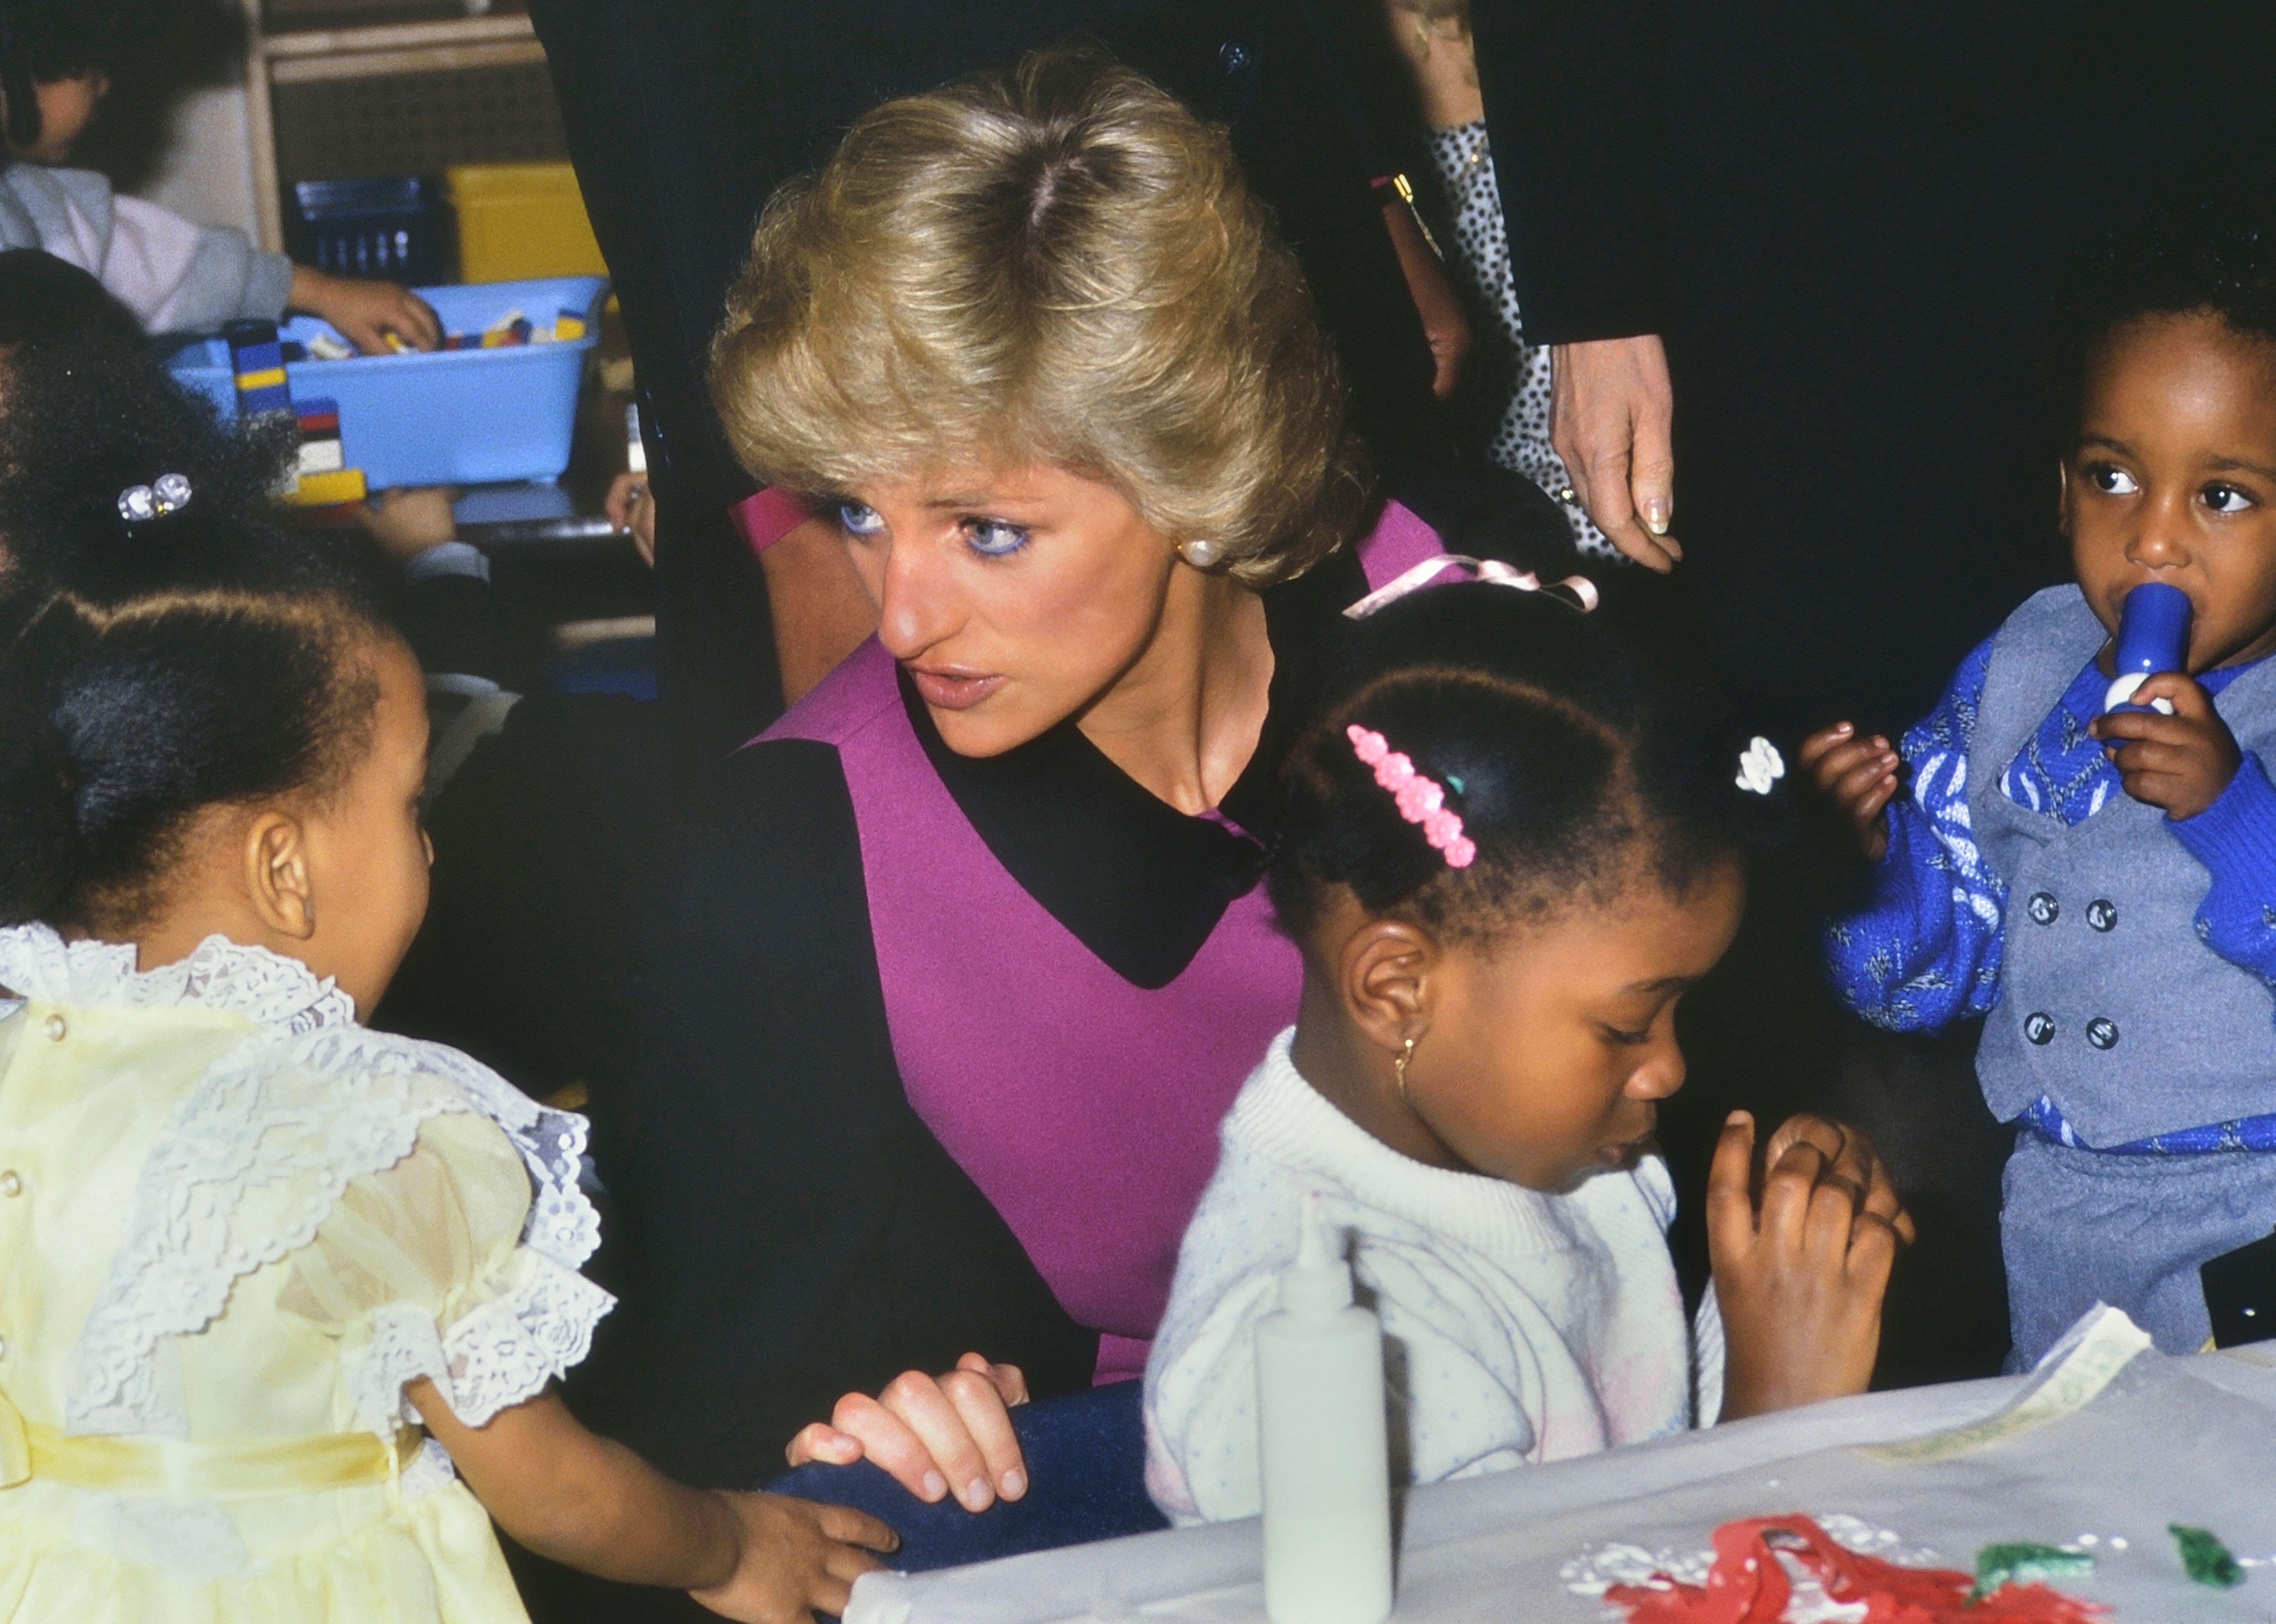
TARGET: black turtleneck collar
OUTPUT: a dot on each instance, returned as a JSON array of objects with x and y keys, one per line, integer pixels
[{"x": 1137, "y": 882}]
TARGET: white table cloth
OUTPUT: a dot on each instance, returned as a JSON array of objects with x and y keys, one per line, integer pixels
[{"x": 2102, "y": 1450}]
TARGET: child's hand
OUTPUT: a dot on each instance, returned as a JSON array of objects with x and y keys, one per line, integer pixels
[
  {"x": 365, "y": 312},
  {"x": 631, "y": 507},
  {"x": 930, "y": 1433},
  {"x": 2179, "y": 764},
  {"x": 795, "y": 1559},
  {"x": 1858, "y": 775},
  {"x": 1799, "y": 1279},
  {"x": 408, "y": 521}
]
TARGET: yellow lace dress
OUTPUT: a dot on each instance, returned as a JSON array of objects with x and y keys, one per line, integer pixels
[{"x": 233, "y": 1223}]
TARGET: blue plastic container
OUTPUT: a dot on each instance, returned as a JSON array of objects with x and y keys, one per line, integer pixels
[{"x": 445, "y": 417}]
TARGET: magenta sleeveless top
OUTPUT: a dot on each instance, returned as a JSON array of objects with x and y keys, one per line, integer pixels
[{"x": 1084, "y": 1108}]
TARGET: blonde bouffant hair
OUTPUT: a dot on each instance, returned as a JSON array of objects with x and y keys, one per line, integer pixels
[{"x": 1057, "y": 264}]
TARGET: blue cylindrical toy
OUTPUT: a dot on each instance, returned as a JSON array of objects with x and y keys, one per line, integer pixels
[{"x": 2153, "y": 636}]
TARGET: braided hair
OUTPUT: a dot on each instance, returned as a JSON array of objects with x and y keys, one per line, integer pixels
[{"x": 1574, "y": 773}]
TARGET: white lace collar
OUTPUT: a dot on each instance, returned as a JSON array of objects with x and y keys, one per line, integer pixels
[{"x": 267, "y": 989}]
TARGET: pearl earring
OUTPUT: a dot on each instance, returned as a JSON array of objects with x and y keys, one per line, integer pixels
[
  {"x": 1199, "y": 553},
  {"x": 1399, "y": 1066}
]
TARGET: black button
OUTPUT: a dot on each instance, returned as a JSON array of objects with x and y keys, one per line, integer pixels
[
  {"x": 2102, "y": 1033},
  {"x": 1234, "y": 58},
  {"x": 2043, "y": 908},
  {"x": 2039, "y": 1028},
  {"x": 2102, "y": 913}
]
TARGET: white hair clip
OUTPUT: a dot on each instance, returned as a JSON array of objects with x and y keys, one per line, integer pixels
[
  {"x": 1760, "y": 766},
  {"x": 169, "y": 493},
  {"x": 1493, "y": 572}
]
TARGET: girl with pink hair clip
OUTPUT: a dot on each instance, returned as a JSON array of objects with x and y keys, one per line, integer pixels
[{"x": 1505, "y": 855}]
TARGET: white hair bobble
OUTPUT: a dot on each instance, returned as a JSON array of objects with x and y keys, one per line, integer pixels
[
  {"x": 1760, "y": 766},
  {"x": 169, "y": 493}
]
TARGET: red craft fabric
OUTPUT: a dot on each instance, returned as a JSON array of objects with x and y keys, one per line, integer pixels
[{"x": 1748, "y": 1585}]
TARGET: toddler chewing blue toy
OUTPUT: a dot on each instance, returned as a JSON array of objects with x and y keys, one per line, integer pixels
[{"x": 2153, "y": 636}]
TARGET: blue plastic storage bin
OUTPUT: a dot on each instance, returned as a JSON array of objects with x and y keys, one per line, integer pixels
[{"x": 444, "y": 417}]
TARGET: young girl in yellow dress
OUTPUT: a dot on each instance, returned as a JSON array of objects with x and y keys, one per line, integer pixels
[{"x": 281, "y": 1297}]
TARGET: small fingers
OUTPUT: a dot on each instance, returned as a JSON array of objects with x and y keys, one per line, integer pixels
[
  {"x": 419, "y": 323},
  {"x": 1855, "y": 1161},
  {"x": 1730, "y": 1177},
  {"x": 828, "y": 1596},
  {"x": 1876, "y": 775},
  {"x": 846, "y": 1564},
  {"x": 1872, "y": 1251},
  {"x": 2189, "y": 699},
  {"x": 1806, "y": 1127},
  {"x": 1810, "y": 750},
  {"x": 1787, "y": 1188},
  {"x": 2151, "y": 756},
  {"x": 1882, "y": 1200},
  {"x": 618, "y": 504},
  {"x": 850, "y": 1527}
]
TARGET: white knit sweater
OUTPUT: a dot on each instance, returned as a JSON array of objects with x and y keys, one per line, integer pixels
[{"x": 1518, "y": 1327}]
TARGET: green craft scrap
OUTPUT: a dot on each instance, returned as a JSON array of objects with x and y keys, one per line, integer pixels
[
  {"x": 2204, "y": 1558},
  {"x": 2022, "y": 1562}
]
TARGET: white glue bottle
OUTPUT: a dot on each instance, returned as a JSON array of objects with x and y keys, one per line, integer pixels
[{"x": 1325, "y": 1462}]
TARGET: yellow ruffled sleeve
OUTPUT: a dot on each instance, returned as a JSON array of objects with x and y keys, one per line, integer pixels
[{"x": 422, "y": 1271}]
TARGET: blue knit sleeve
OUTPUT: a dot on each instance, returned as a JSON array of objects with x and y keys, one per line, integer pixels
[
  {"x": 2235, "y": 840},
  {"x": 1924, "y": 951}
]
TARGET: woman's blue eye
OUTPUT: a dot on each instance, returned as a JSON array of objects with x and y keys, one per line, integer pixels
[
  {"x": 859, "y": 518},
  {"x": 2226, "y": 499},
  {"x": 992, "y": 538}
]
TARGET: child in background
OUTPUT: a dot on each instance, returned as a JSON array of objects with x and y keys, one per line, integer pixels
[
  {"x": 1506, "y": 859},
  {"x": 2100, "y": 885},
  {"x": 250, "y": 1248},
  {"x": 55, "y": 57},
  {"x": 1510, "y": 376}
]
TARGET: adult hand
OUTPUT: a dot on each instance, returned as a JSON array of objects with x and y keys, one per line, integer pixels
[
  {"x": 1445, "y": 326},
  {"x": 931, "y": 1432},
  {"x": 794, "y": 1560},
  {"x": 1611, "y": 415},
  {"x": 366, "y": 314},
  {"x": 1800, "y": 1276},
  {"x": 631, "y": 507},
  {"x": 1859, "y": 776},
  {"x": 2180, "y": 763}
]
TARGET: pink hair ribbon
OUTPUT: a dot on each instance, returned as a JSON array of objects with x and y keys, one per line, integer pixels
[
  {"x": 1421, "y": 800},
  {"x": 1493, "y": 572}
]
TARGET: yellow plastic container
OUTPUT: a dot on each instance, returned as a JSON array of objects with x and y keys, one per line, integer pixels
[{"x": 521, "y": 221}]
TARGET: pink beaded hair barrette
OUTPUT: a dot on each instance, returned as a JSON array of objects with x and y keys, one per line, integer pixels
[{"x": 1421, "y": 800}]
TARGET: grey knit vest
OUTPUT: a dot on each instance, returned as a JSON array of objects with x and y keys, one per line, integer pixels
[{"x": 2109, "y": 1003}]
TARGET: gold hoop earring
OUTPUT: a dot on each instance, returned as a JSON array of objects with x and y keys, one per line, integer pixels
[{"x": 1399, "y": 1066}]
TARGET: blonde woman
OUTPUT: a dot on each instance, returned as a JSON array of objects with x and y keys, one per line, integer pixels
[{"x": 967, "y": 957}]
